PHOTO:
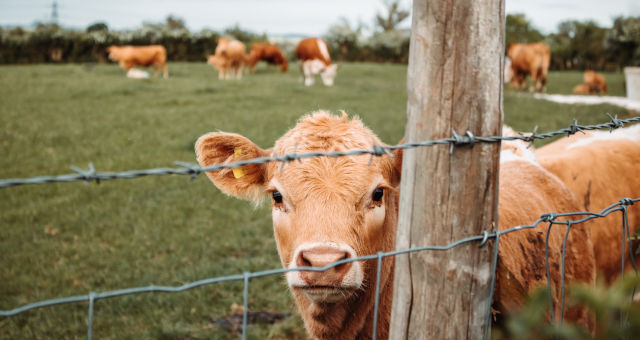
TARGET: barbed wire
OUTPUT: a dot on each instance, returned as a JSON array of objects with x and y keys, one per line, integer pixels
[
  {"x": 193, "y": 170},
  {"x": 551, "y": 218}
]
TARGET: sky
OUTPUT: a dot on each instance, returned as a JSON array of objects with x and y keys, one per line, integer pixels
[{"x": 275, "y": 17}]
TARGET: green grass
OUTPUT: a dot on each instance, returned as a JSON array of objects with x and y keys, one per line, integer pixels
[{"x": 66, "y": 239}]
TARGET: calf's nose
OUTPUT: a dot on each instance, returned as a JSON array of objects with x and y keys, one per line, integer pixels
[{"x": 319, "y": 257}]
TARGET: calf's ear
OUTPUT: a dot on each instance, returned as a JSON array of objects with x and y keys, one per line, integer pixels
[{"x": 246, "y": 182}]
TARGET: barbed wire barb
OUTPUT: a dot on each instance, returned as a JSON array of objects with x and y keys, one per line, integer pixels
[{"x": 194, "y": 170}]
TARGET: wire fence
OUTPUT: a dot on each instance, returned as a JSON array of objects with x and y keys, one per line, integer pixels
[
  {"x": 550, "y": 218},
  {"x": 469, "y": 139},
  {"x": 193, "y": 170}
]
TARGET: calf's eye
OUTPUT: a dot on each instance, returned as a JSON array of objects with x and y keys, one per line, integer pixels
[
  {"x": 377, "y": 194},
  {"x": 277, "y": 196}
]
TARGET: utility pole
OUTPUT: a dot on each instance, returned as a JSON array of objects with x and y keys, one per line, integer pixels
[{"x": 54, "y": 12}]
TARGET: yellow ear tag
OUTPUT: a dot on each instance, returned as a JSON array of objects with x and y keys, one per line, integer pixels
[{"x": 237, "y": 172}]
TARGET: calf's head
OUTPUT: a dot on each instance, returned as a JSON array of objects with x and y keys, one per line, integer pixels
[{"x": 324, "y": 209}]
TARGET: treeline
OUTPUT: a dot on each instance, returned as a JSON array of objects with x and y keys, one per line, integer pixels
[
  {"x": 583, "y": 44},
  {"x": 52, "y": 43},
  {"x": 576, "y": 45}
]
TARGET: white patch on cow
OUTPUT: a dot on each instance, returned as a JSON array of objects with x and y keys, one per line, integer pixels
[
  {"x": 322, "y": 46},
  {"x": 329, "y": 74},
  {"x": 511, "y": 155},
  {"x": 137, "y": 74},
  {"x": 353, "y": 278},
  {"x": 631, "y": 133},
  {"x": 516, "y": 150},
  {"x": 508, "y": 72},
  {"x": 310, "y": 68}
]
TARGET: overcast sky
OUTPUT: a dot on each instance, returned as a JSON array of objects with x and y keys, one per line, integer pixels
[{"x": 311, "y": 17}]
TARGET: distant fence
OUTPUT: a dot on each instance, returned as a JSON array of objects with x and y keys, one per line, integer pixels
[{"x": 377, "y": 150}]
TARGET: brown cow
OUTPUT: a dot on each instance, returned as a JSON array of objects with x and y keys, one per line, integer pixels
[
  {"x": 313, "y": 54},
  {"x": 596, "y": 82},
  {"x": 130, "y": 56},
  {"x": 529, "y": 60},
  {"x": 268, "y": 53},
  {"x": 326, "y": 209},
  {"x": 229, "y": 58},
  {"x": 582, "y": 89},
  {"x": 600, "y": 168}
]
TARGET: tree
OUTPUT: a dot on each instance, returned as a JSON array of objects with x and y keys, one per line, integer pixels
[
  {"x": 623, "y": 41},
  {"x": 245, "y": 36},
  {"x": 344, "y": 40},
  {"x": 395, "y": 15},
  {"x": 518, "y": 29},
  {"x": 98, "y": 26},
  {"x": 586, "y": 48},
  {"x": 175, "y": 23}
]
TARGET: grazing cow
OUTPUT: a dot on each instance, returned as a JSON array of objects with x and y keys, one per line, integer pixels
[
  {"x": 266, "y": 52},
  {"x": 529, "y": 60},
  {"x": 596, "y": 82},
  {"x": 327, "y": 209},
  {"x": 137, "y": 74},
  {"x": 313, "y": 54},
  {"x": 600, "y": 168},
  {"x": 130, "y": 56},
  {"x": 229, "y": 58}
]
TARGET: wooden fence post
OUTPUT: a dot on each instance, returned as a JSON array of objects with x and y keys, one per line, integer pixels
[{"x": 454, "y": 82}]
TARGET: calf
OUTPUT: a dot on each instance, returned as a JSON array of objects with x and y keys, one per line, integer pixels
[
  {"x": 595, "y": 81},
  {"x": 229, "y": 59},
  {"x": 582, "y": 89},
  {"x": 130, "y": 56},
  {"x": 268, "y": 53},
  {"x": 326, "y": 209},
  {"x": 600, "y": 168},
  {"x": 313, "y": 54},
  {"x": 529, "y": 60}
]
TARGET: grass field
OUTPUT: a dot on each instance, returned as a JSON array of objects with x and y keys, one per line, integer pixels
[{"x": 66, "y": 239}]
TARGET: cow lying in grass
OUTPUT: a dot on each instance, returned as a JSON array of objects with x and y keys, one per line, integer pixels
[
  {"x": 130, "y": 56},
  {"x": 594, "y": 83},
  {"x": 328, "y": 209}
]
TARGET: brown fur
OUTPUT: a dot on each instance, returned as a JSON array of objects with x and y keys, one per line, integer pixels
[
  {"x": 327, "y": 199},
  {"x": 600, "y": 173},
  {"x": 529, "y": 60},
  {"x": 581, "y": 89},
  {"x": 268, "y": 53},
  {"x": 307, "y": 49},
  {"x": 595, "y": 81},
  {"x": 130, "y": 56},
  {"x": 229, "y": 58},
  {"x": 526, "y": 192}
]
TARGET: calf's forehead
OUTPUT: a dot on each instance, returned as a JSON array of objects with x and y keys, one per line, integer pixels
[{"x": 322, "y": 132}]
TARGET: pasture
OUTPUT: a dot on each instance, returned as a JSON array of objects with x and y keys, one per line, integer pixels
[{"x": 67, "y": 239}]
